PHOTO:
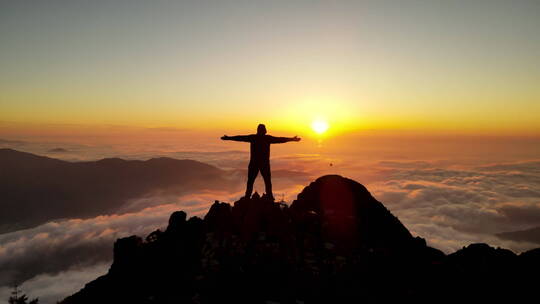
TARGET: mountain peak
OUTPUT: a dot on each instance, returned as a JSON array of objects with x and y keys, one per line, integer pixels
[
  {"x": 335, "y": 244},
  {"x": 265, "y": 250},
  {"x": 91, "y": 188},
  {"x": 348, "y": 210}
]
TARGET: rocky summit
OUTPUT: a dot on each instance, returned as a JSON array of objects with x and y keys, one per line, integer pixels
[{"x": 334, "y": 244}]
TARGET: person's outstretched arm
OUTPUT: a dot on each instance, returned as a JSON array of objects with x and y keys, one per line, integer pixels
[
  {"x": 246, "y": 138},
  {"x": 280, "y": 140}
]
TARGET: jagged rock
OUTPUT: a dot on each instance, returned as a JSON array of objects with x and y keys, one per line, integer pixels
[
  {"x": 479, "y": 258},
  {"x": 176, "y": 222},
  {"x": 480, "y": 253},
  {"x": 335, "y": 244},
  {"x": 218, "y": 218},
  {"x": 259, "y": 214},
  {"x": 127, "y": 252},
  {"x": 153, "y": 236}
]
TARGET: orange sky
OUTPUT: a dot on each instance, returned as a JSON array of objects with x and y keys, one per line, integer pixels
[{"x": 420, "y": 68}]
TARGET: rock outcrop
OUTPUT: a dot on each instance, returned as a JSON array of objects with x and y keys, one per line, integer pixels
[{"x": 334, "y": 244}]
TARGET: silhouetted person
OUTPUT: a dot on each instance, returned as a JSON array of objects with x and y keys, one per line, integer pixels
[{"x": 260, "y": 156}]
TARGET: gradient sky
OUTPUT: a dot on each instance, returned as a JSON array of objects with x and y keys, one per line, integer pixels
[
  {"x": 459, "y": 66},
  {"x": 140, "y": 79}
]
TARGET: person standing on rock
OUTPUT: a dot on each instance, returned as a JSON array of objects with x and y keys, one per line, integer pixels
[{"x": 260, "y": 156}]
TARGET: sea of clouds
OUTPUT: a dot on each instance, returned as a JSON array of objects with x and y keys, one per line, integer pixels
[{"x": 449, "y": 199}]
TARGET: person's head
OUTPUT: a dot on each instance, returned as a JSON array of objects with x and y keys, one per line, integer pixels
[{"x": 261, "y": 129}]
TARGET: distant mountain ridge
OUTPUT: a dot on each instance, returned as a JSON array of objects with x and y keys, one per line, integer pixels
[
  {"x": 531, "y": 235},
  {"x": 36, "y": 189},
  {"x": 335, "y": 244}
]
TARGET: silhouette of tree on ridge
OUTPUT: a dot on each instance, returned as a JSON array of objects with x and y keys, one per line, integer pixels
[{"x": 17, "y": 297}]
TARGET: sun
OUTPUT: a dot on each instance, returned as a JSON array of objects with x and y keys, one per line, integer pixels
[{"x": 319, "y": 126}]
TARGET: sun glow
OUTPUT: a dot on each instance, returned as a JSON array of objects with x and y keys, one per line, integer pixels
[{"x": 319, "y": 126}]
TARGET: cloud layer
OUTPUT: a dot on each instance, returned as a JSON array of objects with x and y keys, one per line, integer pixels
[
  {"x": 50, "y": 288},
  {"x": 451, "y": 203},
  {"x": 452, "y": 207}
]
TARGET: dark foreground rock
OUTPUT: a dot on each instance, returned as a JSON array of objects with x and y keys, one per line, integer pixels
[{"x": 334, "y": 244}]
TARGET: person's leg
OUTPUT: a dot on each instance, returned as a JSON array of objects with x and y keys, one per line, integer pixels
[
  {"x": 265, "y": 172},
  {"x": 252, "y": 174}
]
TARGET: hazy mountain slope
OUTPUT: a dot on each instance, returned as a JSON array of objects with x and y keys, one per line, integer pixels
[
  {"x": 35, "y": 189},
  {"x": 531, "y": 235}
]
